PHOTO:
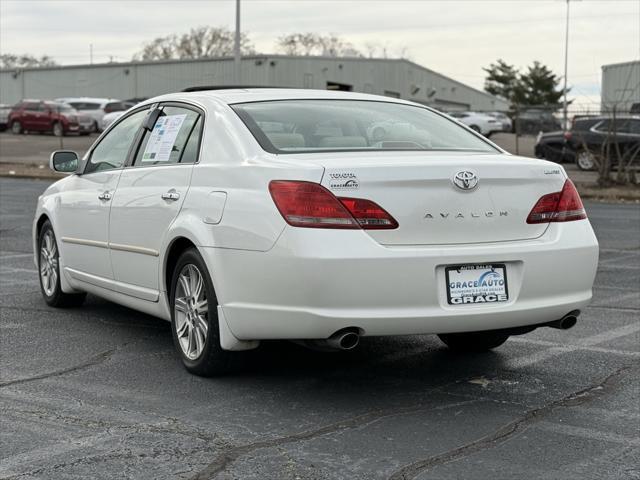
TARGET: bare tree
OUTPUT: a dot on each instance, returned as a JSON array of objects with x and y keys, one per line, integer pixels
[
  {"x": 9, "y": 60},
  {"x": 310, "y": 43},
  {"x": 200, "y": 42}
]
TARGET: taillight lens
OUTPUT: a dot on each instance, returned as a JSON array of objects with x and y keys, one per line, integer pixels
[
  {"x": 307, "y": 204},
  {"x": 563, "y": 206},
  {"x": 368, "y": 214}
]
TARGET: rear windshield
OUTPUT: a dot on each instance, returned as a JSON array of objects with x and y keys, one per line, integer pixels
[
  {"x": 85, "y": 105},
  {"x": 297, "y": 126}
]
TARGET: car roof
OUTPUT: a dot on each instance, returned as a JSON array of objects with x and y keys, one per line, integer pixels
[
  {"x": 241, "y": 95},
  {"x": 87, "y": 99}
]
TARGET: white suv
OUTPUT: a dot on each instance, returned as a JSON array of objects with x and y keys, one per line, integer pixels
[
  {"x": 96, "y": 108},
  {"x": 318, "y": 216}
]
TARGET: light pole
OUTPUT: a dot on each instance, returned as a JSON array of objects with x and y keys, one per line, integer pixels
[
  {"x": 236, "y": 46},
  {"x": 566, "y": 63}
]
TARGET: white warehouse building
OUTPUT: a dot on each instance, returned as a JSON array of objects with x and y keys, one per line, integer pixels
[
  {"x": 391, "y": 77},
  {"x": 620, "y": 86}
]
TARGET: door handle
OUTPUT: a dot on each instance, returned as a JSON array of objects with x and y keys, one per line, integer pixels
[
  {"x": 105, "y": 196},
  {"x": 171, "y": 195}
]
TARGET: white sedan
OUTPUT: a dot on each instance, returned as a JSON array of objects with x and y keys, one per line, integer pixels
[
  {"x": 243, "y": 215},
  {"x": 479, "y": 122}
]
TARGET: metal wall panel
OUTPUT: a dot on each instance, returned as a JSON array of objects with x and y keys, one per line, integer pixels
[
  {"x": 147, "y": 79},
  {"x": 620, "y": 86}
]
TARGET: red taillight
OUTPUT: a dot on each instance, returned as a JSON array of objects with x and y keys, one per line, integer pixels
[
  {"x": 306, "y": 204},
  {"x": 368, "y": 214},
  {"x": 564, "y": 206},
  {"x": 567, "y": 135}
]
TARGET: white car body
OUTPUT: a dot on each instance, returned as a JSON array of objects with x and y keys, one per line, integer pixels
[
  {"x": 109, "y": 118},
  {"x": 95, "y": 108},
  {"x": 277, "y": 281},
  {"x": 480, "y": 122}
]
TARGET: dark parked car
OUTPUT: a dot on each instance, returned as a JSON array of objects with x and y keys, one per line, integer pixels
[
  {"x": 44, "y": 116},
  {"x": 553, "y": 145},
  {"x": 533, "y": 121},
  {"x": 586, "y": 144}
]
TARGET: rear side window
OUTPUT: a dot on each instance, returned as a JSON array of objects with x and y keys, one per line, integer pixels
[
  {"x": 302, "y": 126},
  {"x": 174, "y": 139}
]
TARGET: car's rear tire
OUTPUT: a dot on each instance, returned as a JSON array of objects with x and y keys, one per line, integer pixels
[
  {"x": 474, "y": 341},
  {"x": 585, "y": 160},
  {"x": 49, "y": 271},
  {"x": 16, "y": 127},
  {"x": 194, "y": 318}
]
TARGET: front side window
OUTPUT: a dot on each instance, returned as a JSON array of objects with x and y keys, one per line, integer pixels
[
  {"x": 174, "y": 139},
  {"x": 112, "y": 150},
  {"x": 300, "y": 126}
]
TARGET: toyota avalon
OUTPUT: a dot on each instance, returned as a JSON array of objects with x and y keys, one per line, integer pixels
[{"x": 243, "y": 215}]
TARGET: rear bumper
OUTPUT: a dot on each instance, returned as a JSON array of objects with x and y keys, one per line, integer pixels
[{"x": 315, "y": 282}]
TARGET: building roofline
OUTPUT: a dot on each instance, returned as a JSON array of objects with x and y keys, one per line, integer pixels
[
  {"x": 630, "y": 62},
  {"x": 261, "y": 56}
]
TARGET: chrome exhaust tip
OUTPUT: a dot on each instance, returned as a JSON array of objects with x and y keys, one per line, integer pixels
[
  {"x": 344, "y": 340},
  {"x": 566, "y": 322}
]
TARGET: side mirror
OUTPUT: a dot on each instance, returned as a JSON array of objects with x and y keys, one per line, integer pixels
[{"x": 64, "y": 161}]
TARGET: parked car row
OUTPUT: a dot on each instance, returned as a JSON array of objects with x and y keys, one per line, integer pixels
[
  {"x": 62, "y": 116},
  {"x": 484, "y": 123},
  {"x": 586, "y": 139}
]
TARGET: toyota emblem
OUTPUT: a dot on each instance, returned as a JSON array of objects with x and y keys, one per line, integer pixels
[{"x": 465, "y": 180}]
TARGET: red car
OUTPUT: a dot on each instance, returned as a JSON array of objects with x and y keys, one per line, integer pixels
[{"x": 44, "y": 116}]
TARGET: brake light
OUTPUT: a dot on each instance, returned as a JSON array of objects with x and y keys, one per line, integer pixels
[
  {"x": 368, "y": 214},
  {"x": 307, "y": 204},
  {"x": 563, "y": 206}
]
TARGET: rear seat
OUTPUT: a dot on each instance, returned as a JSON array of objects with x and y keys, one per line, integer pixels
[
  {"x": 286, "y": 140},
  {"x": 343, "y": 142}
]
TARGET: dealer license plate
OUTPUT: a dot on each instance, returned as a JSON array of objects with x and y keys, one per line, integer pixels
[{"x": 476, "y": 284}]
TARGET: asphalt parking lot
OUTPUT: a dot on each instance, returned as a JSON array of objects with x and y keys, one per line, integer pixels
[{"x": 97, "y": 392}]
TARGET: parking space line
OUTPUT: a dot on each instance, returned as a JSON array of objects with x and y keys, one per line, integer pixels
[
  {"x": 546, "y": 343},
  {"x": 526, "y": 360},
  {"x": 589, "y": 433},
  {"x": 15, "y": 255}
]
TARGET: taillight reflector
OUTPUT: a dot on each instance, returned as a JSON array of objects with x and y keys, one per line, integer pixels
[
  {"x": 307, "y": 204},
  {"x": 563, "y": 206}
]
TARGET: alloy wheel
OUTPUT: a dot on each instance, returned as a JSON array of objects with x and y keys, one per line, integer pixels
[
  {"x": 585, "y": 160},
  {"x": 49, "y": 263},
  {"x": 191, "y": 311}
]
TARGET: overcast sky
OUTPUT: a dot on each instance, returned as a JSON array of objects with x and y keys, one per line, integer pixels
[{"x": 456, "y": 38}]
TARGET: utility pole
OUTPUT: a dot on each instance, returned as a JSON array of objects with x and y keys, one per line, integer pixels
[
  {"x": 236, "y": 46},
  {"x": 91, "y": 54},
  {"x": 566, "y": 63}
]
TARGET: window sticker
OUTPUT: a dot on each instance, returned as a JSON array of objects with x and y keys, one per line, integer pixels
[{"x": 163, "y": 137}]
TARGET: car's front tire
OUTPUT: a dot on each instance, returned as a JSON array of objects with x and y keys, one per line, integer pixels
[
  {"x": 194, "y": 318},
  {"x": 58, "y": 129},
  {"x": 16, "y": 127},
  {"x": 49, "y": 271},
  {"x": 474, "y": 341}
]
